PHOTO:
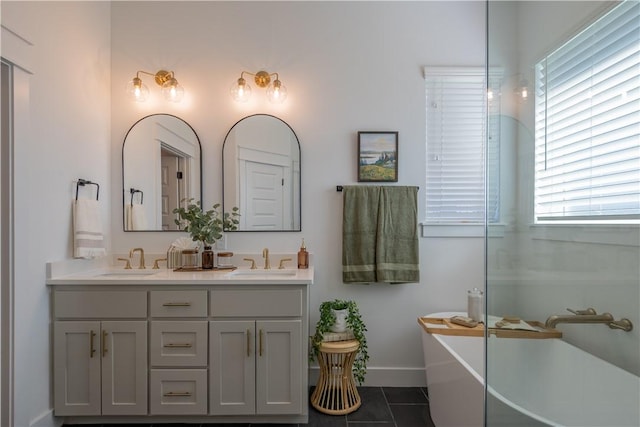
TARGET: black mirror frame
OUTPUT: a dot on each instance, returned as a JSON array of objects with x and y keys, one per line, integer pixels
[
  {"x": 300, "y": 178},
  {"x": 124, "y": 192}
]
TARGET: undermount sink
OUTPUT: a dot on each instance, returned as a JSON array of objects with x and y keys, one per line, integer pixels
[
  {"x": 129, "y": 273},
  {"x": 262, "y": 272}
]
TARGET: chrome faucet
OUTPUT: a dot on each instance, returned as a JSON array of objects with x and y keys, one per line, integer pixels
[
  {"x": 141, "y": 266},
  {"x": 265, "y": 255},
  {"x": 588, "y": 316}
]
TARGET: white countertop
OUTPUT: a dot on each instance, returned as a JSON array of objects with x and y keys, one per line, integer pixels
[{"x": 97, "y": 274}]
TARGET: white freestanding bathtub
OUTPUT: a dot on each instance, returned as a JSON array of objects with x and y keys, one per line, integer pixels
[{"x": 532, "y": 382}]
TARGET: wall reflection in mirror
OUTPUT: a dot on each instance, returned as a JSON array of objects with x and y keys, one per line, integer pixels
[
  {"x": 161, "y": 165},
  {"x": 261, "y": 174}
]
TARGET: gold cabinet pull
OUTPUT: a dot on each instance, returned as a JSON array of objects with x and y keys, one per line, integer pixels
[
  {"x": 104, "y": 343},
  {"x": 176, "y": 304},
  {"x": 248, "y": 343},
  {"x": 260, "y": 336},
  {"x": 185, "y": 345},
  {"x": 92, "y": 349},
  {"x": 177, "y": 394}
]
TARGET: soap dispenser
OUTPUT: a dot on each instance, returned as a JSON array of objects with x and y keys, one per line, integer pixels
[
  {"x": 475, "y": 304},
  {"x": 303, "y": 256}
]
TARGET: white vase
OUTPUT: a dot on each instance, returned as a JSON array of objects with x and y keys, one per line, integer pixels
[{"x": 340, "y": 324}]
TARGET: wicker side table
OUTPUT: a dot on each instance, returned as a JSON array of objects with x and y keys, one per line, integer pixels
[{"x": 336, "y": 392}]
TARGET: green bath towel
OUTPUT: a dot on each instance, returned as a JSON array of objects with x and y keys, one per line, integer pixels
[
  {"x": 380, "y": 240},
  {"x": 359, "y": 233}
]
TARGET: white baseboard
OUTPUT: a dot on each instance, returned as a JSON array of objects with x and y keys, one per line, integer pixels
[
  {"x": 384, "y": 377},
  {"x": 46, "y": 419}
]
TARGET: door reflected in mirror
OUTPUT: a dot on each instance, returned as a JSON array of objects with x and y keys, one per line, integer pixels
[
  {"x": 261, "y": 174},
  {"x": 161, "y": 165}
]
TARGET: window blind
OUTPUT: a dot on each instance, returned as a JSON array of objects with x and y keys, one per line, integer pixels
[
  {"x": 456, "y": 131},
  {"x": 587, "y": 113}
]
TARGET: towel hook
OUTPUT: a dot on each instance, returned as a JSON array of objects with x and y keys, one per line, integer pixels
[
  {"x": 82, "y": 182},
  {"x": 133, "y": 191}
]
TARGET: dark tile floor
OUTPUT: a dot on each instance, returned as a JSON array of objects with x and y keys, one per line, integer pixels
[{"x": 381, "y": 407}]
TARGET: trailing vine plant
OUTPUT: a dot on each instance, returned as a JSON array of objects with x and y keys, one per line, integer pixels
[{"x": 354, "y": 324}]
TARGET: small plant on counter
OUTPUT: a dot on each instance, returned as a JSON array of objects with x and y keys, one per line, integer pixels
[
  {"x": 205, "y": 226},
  {"x": 354, "y": 324}
]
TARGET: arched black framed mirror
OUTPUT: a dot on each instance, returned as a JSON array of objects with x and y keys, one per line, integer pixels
[
  {"x": 161, "y": 165},
  {"x": 261, "y": 174}
]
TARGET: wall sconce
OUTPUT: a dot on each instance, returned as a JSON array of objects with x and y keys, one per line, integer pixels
[
  {"x": 171, "y": 90},
  {"x": 522, "y": 90},
  {"x": 276, "y": 91}
]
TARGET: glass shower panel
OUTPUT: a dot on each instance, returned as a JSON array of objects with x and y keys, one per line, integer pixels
[{"x": 536, "y": 268}]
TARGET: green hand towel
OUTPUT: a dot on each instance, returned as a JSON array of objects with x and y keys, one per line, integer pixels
[
  {"x": 359, "y": 233},
  {"x": 397, "y": 258},
  {"x": 380, "y": 242}
]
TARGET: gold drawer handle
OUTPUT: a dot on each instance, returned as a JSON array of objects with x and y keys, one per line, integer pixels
[
  {"x": 177, "y": 394},
  {"x": 185, "y": 345},
  {"x": 104, "y": 343},
  {"x": 176, "y": 304},
  {"x": 92, "y": 349},
  {"x": 248, "y": 343}
]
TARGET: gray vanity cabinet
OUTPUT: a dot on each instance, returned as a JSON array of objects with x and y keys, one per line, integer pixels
[
  {"x": 232, "y": 367},
  {"x": 255, "y": 367},
  {"x": 100, "y": 362},
  {"x": 278, "y": 367},
  {"x": 178, "y": 349},
  {"x": 132, "y": 353},
  {"x": 256, "y": 351}
]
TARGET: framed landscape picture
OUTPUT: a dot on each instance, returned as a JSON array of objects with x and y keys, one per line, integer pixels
[{"x": 377, "y": 156}]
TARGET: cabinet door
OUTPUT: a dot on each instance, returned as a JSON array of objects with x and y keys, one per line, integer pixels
[
  {"x": 232, "y": 366},
  {"x": 76, "y": 371},
  {"x": 279, "y": 367},
  {"x": 124, "y": 367}
]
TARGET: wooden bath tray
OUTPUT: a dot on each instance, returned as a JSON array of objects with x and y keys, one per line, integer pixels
[{"x": 443, "y": 326}]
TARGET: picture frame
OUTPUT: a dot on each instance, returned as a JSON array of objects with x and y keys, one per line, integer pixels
[{"x": 378, "y": 156}]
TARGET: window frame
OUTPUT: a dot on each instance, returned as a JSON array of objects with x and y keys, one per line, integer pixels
[
  {"x": 472, "y": 225},
  {"x": 540, "y": 120}
]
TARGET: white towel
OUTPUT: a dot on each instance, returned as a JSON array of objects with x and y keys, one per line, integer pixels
[
  {"x": 128, "y": 224},
  {"x": 88, "y": 240},
  {"x": 138, "y": 217}
]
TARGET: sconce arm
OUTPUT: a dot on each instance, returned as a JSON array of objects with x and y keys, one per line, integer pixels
[{"x": 160, "y": 77}]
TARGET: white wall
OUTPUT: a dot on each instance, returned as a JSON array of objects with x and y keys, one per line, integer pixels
[
  {"x": 68, "y": 138},
  {"x": 348, "y": 67}
]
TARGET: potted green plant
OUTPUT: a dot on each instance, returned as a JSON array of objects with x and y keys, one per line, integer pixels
[
  {"x": 205, "y": 226},
  {"x": 354, "y": 324}
]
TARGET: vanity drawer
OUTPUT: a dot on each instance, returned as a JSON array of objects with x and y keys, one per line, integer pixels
[
  {"x": 178, "y": 343},
  {"x": 256, "y": 303},
  {"x": 178, "y": 391},
  {"x": 100, "y": 304},
  {"x": 178, "y": 303}
]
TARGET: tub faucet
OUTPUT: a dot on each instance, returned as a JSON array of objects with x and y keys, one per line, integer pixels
[
  {"x": 141, "y": 266},
  {"x": 265, "y": 255},
  {"x": 589, "y": 310},
  {"x": 588, "y": 316}
]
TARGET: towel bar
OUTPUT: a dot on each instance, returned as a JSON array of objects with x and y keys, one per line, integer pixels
[
  {"x": 82, "y": 182},
  {"x": 339, "y": 188},
  {"x": 133, "y": 191}
]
